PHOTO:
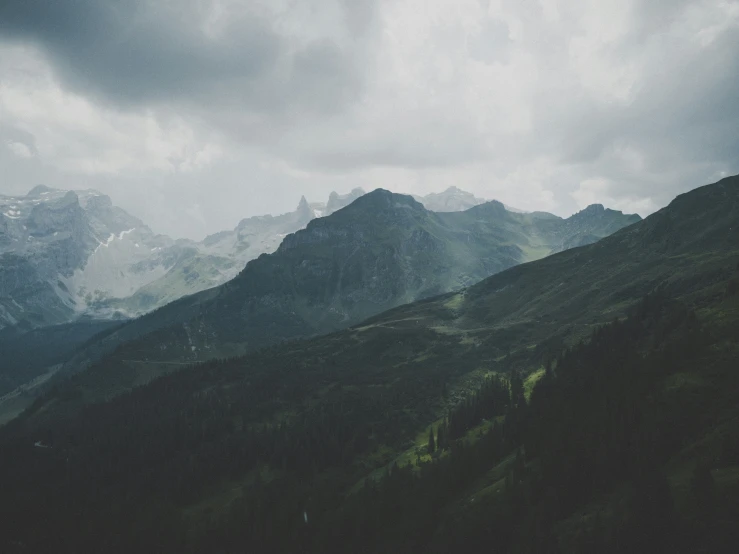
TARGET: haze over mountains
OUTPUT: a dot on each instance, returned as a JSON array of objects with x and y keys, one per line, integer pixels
[
  {"x": 381, "y": 251},
  {"x": 73, "y": 259},
  {"x": 72, "y": 253},
  {"x": 368, "y": 371},
  {"x": 337, "y": 426}
]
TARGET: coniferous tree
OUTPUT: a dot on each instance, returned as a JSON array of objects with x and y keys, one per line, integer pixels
[{"x": 432, "y": 444}]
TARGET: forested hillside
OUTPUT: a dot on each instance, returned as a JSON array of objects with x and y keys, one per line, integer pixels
[
  {"x": 582, "y": 403},
  {"x": 627, "y": 442}
]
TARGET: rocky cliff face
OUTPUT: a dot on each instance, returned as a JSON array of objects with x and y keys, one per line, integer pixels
[{"x": 64, "y": 253}]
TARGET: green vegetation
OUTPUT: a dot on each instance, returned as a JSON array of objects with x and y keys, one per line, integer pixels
[
  {"x": 602, "y": 456},
  {"x": 582, "y": 403}
]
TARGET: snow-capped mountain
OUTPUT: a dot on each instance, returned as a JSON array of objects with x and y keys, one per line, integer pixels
[{"x": 64, "y": 254}]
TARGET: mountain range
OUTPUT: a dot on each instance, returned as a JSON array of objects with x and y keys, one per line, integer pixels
[
  {"x": 74, "y": 257},
  {"x": 66, "y": 254},
  {"x": 379, "y": 252},
  {"x": 579, "y": 399}
]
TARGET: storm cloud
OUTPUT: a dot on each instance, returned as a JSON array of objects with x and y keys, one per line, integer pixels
[{"x": 221, "y": 109}]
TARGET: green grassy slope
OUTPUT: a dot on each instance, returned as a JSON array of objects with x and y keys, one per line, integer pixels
[{"x": 324, "y": 414}]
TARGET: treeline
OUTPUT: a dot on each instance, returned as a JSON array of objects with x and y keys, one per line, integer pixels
[
  {"x": 491, "y": 400},
  {"x": 120, "y": 476},
  {"x": 580, "y": 467},
  {"x": 598, "y": 426}
]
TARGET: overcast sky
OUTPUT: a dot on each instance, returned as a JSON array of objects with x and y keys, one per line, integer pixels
[{"x": 193, "y": 114}]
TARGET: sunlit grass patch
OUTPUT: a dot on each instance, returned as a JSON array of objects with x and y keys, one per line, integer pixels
[
  {"x": 530, "y": 382},
  {"x": 455, "y": 302}
]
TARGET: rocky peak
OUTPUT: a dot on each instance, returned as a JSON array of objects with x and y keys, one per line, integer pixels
[
  {"x": 383, "y": 200},
  {"x": 70, "y": 198},
  {"x": 453, "y": 199},
  {"x": 593, "y": 209},
  {"x": 304, "y": 210},
  {"x": 337, "y": 201},
  {"x": 107, "y": 218},
  {"x": 371, "y": 213},
  {"x": 38, "y": 190},
  {"x": 493, "y": 208},
  {"x": 64, "y": 214}
]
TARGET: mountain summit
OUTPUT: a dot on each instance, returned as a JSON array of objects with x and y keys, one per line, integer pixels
[{"x": 452, "y": 199}]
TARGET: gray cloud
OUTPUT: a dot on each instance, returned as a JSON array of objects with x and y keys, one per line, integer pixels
[
  {"x": 492, "y": 44},
  {"x": 134, "y": 52},
  {"x": 543, "y": 104},
  {"x": 12, "y": 135},
  {"x": 678, "y": 129}
]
